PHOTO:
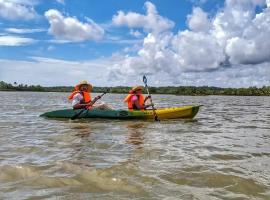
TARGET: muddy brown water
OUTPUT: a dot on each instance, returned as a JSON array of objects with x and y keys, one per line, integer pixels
[{"x": 224, "y": 153}]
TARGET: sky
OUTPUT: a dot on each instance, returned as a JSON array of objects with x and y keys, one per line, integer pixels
[{"x": 222, "y": 43}]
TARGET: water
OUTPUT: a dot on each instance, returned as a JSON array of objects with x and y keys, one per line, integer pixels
[{"x": 224, "y": 153}]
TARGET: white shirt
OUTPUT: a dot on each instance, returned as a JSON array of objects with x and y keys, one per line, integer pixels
[{"x": 77, "y": 99}]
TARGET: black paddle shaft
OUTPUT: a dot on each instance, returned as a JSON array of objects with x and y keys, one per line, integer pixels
[
  {"x": 151, "y": 101},
  {"x": 75, "y": 116}
]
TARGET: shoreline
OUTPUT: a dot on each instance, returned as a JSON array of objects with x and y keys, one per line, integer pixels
[
  {"x": 176, "y": 94},
  {"x": 173, "y": 90}
]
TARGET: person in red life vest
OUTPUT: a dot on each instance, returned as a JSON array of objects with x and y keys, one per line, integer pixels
[
  {"x": 135, "y": 99},
  {"x": 81, "y": 98}
]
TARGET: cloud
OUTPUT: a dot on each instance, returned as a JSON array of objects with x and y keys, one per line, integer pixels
[
  {"x": 151, "y": 22},
  {"x": 70, "y": 28},
  {"x": 252, "y": 45},
  {"x": 16, "y": 10},
  {"x": 235, "y": 36},
  {"x": 48, "y": 71},
  {"x": 135, "y": 33},
  {"x": 50, "y": 48},
  {"x": 198, "y": 20},
  {"x": 23, "y": 31},
  {"x": 121, "y": 40},
  {"x": 198, "y": 2},
  {"x": 25, "y": 2},
  {"x": 15, "y": 41},
  {"x": 228, "y": 49},
  {"x": 197, "y": 51},
  {"x": 173, "y": 54},
  {"x": 237, "y": 76}
]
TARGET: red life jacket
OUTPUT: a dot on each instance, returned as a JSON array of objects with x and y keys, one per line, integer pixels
[{"x": 131, "y": 106}]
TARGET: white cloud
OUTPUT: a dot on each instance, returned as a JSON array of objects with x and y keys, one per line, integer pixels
[
  {"x": 116, "y": 40},
  {"x": 23, "y": 31},
  {"x": 25, "y": 2},
  {"x": 172, "y": 55},
  {"x": 135, "y": 33},
  {"x": 48, "y": 71},
  {"x": 152, "y": 21},
  {"x": 198, "y": 2},
  {"x": 253, "y": 44},
  {"x": 70, "y": 28},
  {"x": 230, "y": 49},
  {"x": 50, "y": 48},
  {"x": 15, "y": 41},
  {"x": 197, "y": 51},
  {"x": 236, "y": 36},
  {"x": 232, "y": 20},
  {"x": 58, "y": 41},
  {"x": 198, "y": 21},
  {"x": 244, "y": 4},
  {"x": 16, "y": 10},
  {"x": 237, "y": 76}
]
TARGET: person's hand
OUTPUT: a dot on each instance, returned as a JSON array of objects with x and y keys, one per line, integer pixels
[
  {"x": 89, "y": 104},
  {"x": 149, "y": 105},
  {"x": 97, "y": 97}
]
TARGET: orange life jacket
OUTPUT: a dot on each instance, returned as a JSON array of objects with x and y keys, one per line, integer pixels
[
  {"x": 86, "y": 96},
  {"x": 129, "y": 102}
]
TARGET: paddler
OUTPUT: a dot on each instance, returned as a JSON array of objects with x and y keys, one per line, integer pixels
[
  {"x": 135, "y": 99},
  {"x": 81, "y": 97}
]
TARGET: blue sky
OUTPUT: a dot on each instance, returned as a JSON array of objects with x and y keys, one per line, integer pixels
[{"x": 115, "y": 42}]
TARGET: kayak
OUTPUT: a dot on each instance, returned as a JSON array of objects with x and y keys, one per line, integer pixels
[{"x": 185, "y": 112}]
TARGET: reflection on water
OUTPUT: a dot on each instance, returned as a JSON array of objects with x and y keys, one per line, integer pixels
[
  {"x": 135, "y": 131},
  {"x": 82, "y": 130},
  {"x": 224, "y": 153}
]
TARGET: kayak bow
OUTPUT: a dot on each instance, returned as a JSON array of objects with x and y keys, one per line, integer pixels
[{"x": 185, "y": 112}]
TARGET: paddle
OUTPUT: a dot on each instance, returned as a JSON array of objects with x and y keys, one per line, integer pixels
[
  {"x": 75, "y": 116},
  {"x": 153, "y": 108}
]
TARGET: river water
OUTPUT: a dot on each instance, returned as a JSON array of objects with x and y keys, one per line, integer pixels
[{"x": 224, "y": 153}]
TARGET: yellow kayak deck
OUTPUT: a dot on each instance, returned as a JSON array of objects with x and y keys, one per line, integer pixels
[{"x": 173, "y": 113}]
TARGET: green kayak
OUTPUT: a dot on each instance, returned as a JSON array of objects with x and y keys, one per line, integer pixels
[{"x": 186, "y": 112}]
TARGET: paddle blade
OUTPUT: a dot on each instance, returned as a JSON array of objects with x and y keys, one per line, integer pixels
[
  {"x": 77, "y": 115},
  {"x": 108, "y": 90},
  {"x": 157, "y": 119},
  {"x": 144, "y": 79}
]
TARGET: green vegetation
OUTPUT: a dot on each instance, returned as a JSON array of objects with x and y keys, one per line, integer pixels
[
  {"x": 179, "y": 90},
  {"x": 20, "y": 87}
]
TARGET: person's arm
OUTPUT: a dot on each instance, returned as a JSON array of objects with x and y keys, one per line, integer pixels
[
  {"x": 148, "y": 97},
  {"x": 76, "y": 102},
  {"x": 94, "y": 100},
  {"x": 141, "y": 107},
  {"x": 149, "y": 105},
  {"x": 138, "y": 105}
]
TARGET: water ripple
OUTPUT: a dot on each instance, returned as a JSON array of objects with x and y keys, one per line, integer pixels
[{"x": 223, "y": 153}]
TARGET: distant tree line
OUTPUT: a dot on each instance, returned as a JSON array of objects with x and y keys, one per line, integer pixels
[
  {"x": 177, "y": 90},
  {"x": 20, "y": 87}
]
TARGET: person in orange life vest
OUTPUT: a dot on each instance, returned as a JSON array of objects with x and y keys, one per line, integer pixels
[
  {"x": 81, "y": 97},
  {"x": 136, "y": 100}
]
